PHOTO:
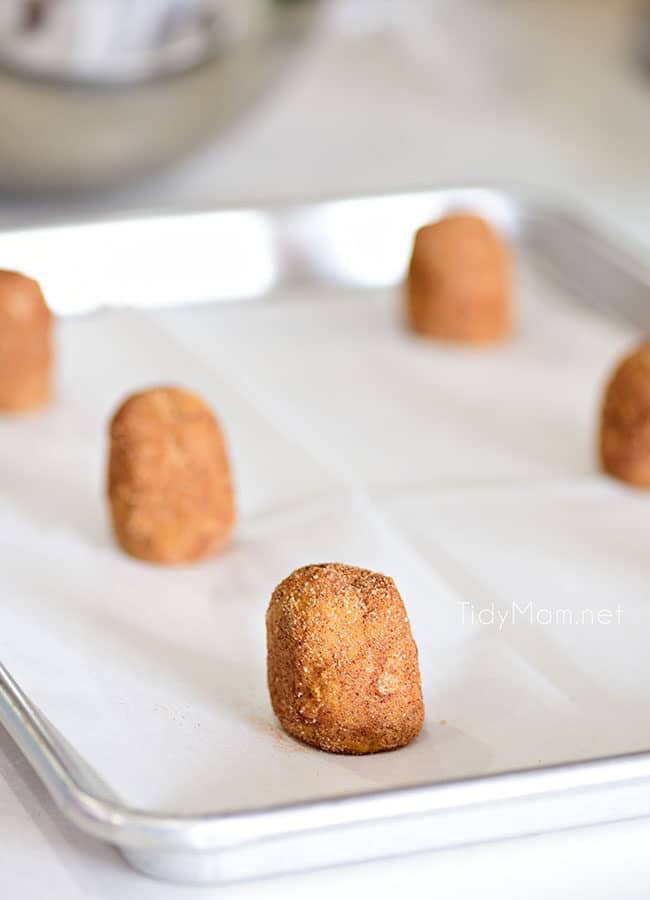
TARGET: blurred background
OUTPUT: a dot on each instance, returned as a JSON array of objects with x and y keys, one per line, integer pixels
[{"x": 113, "y": 105}]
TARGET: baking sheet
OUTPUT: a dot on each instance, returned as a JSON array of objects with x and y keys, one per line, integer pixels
[{"x": 467, "y": 475}]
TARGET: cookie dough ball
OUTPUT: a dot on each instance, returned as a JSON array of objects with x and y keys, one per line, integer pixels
[
  {"x": 342, "y": 664},
  {"x": 459, "y": 282},
  {"x": 25, "y": 344},
  {"x": 169, "y": 482},
  {"x": 625, "y": 420}
]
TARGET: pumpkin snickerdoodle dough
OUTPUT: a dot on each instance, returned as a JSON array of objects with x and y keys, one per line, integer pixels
[
  {"x": 624, "y": 441},
  {"x": 25, "y": 344},
  {"x": 459, "y": 282},
  {"x": 169, "y": 483},
  {"x": 343, "y": 670}
]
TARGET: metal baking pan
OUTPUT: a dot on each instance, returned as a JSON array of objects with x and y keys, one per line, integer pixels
[{"x": 352, "y": 243}]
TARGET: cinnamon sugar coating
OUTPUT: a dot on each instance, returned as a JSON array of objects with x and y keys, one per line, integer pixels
[
  {"x": 343, "y": 669},
  {"x": 625, "y": 420},
  {"x": 459, "y": 282},
  {"x": 169, "y": 483},
  {"x": 25, "y": 344}
]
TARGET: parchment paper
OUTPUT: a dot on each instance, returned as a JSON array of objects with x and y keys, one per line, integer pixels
[{"x": 467, "y": 475}]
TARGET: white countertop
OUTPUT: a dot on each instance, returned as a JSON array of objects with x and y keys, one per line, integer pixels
[{"x": 389, "y": 96}]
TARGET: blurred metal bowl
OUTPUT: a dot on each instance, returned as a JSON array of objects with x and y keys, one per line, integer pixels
[{"x": 70, "y": 129}]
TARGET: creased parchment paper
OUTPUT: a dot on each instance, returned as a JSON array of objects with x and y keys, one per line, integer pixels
[{"x": 467, "y": 475}]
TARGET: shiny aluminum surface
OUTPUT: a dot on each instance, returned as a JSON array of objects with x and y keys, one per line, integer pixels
[
  {"x": 360, "y": 243},
  {"x": 117, "y": 41},
  {"x": 232, "y": 846}
]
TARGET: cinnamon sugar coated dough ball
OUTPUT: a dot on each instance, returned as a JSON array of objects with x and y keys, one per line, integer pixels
[
  {"x": 459, "y": 282},
  {"x": 342, "y": 664},
  {"x": 25, "y": 344},
  {"x": 625, "y": 420},
  {"x": 169, "y": 483}
]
